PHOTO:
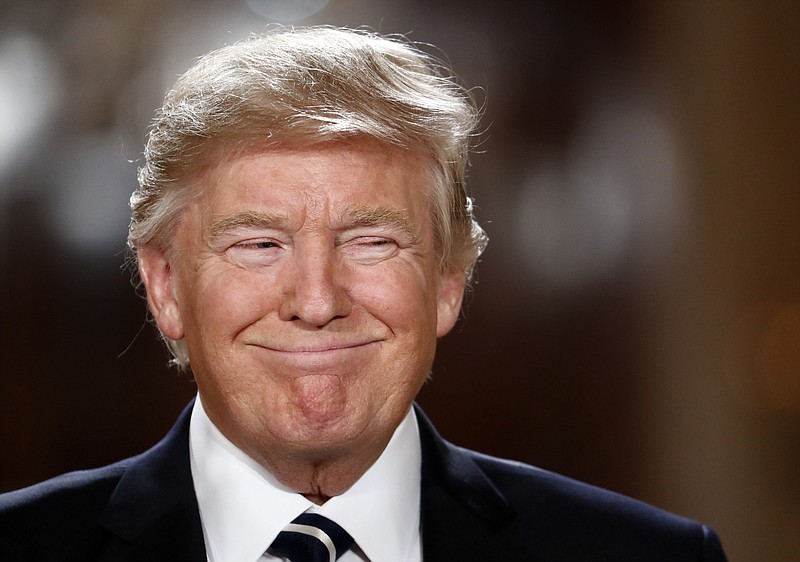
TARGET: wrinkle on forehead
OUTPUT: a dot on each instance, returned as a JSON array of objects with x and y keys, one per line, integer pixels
[{"x": 316, "y": 203}]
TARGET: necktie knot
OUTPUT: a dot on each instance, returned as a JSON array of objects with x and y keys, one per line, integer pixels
[{"x": 312, "y": 538}]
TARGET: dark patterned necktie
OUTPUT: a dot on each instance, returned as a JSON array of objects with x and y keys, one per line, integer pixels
[{"x": 312, "y": 538}]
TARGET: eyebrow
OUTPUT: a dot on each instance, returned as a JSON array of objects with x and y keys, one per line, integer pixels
[
  {"x": 250, "y": 220},
  {"x": 381, "y": 217}
]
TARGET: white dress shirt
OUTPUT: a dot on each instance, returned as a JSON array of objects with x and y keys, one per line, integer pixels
[{"x": 243, "y": 507}]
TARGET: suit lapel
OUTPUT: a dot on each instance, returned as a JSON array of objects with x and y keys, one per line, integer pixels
[
  {"x": 153, "y": 512},
  {"x": 463, "y": 513}
]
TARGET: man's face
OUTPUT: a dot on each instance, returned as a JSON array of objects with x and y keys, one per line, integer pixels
[{"x": 306, "y": 284}]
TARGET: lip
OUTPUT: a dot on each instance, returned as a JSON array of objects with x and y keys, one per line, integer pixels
[{"x": 316, "y": 348}]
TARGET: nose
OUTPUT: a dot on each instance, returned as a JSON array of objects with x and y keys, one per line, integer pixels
[{"x": 314, "y": 288}]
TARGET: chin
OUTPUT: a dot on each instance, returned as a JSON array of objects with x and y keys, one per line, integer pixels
[{"x": 333, "y": 429}]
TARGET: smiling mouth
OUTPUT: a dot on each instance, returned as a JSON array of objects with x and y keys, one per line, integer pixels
[{"x": 313, "y": 349}]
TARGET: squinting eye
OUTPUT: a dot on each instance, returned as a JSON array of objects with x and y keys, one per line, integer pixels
[
  {"x": 256, "y": 245},
  {"x": 255, "y": 253},
  {"x": 374, "y": 243},
  {"x": 370, "y": 249}
]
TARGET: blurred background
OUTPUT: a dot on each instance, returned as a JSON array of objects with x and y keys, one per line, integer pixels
[{"x": 636, "y": 318}]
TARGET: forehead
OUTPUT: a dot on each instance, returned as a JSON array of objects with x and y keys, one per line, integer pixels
[{"x": 340, "y": 176}]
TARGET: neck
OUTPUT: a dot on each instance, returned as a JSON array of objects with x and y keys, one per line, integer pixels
[
  {"x": 318, "y": 481},
  {"x": 319, "y": 500}
]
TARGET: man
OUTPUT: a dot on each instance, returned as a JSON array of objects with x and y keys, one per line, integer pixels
[{"x": 304, "y": 236}]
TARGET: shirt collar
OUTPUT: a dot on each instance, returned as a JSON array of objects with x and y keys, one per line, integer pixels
[{"x": 243, "y": 507}]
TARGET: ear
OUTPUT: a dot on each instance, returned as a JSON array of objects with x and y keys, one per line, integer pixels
[
  {"x": 158, "y": 277},
  {"x": 448, "y": 300}
]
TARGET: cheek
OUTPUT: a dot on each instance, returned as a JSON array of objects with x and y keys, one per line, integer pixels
[
  {"x": 227, "y": 301},
  {"x": 402, "y": 299}
]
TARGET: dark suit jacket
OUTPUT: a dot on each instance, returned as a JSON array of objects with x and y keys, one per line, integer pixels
[{"x": 474, "y": 507}]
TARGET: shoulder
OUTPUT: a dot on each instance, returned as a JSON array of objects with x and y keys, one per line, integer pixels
[
  {"x": 50, "y": 512},
  {"x": 62, "y": 491},
  {"x": 522, "y": 484},
  {"x": 578, "y": 516},
  {"x": 80, "y": 514},
  {"x": 525, "y": 512}
]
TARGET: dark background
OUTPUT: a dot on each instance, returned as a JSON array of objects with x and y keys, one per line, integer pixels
[{"x": 636, "y": 318}]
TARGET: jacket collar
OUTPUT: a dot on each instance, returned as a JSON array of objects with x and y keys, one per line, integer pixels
[
  {"x": 154, "y": 508},
  {"x": 462, "y": 510}
]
